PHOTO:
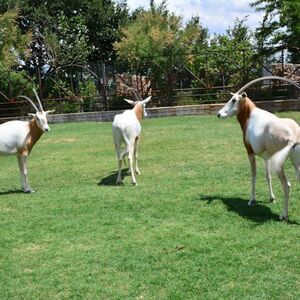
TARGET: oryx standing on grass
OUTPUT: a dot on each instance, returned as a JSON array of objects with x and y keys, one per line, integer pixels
[
  {"x": 127, "y": 129},
  {"x": 19, "y": 137},
  {"x": 264, "y": 134}
]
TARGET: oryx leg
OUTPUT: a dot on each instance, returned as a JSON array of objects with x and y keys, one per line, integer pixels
[
  {"x": 136, "y": 155},
  {"x": 130, "y": 162},
  {"x": 295, "y": 158},
  {"x": 252, "y": 161},
  {"x": 22, "y": 160},
  {"x": 269, "y": 179},
  {"x": 119, "y": 178},
  {"x": 286, "y": 188},
  {"x": 117, "y": 142}
]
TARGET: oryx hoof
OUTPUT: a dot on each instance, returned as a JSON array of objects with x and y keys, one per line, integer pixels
[
  {"x": 137, "y": 172},
  {"x": 119, "y": 183},
  {"x": 29, "y": 191},
  {"x": 272, "y": 200},
  {"x": 134, "y": 183},
  {"x": 252, "y": 202},
  {"x": 283, "y": 218}
]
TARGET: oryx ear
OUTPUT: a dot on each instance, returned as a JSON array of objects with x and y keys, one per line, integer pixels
[
  {"x": 232, "y": 94},
  {"x": 130, "y": 101},
  {"x": 31, "y": 115},
  {"x": 147, "y": 100},
  {"x": 49, "y": 111},
  {"x": 244, "y": 95}
]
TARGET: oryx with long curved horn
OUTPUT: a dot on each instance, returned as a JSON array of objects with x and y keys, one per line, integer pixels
[
  {"x": 264, "y": 134},
  {"x": 127, "y": 129},
  {"x": 19, "y": 137}
]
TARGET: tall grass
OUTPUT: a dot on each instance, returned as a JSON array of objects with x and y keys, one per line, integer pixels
[{"x": 185, "y": 232}]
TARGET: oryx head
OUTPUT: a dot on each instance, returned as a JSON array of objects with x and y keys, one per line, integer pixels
[
  {"x": 40, "y": 115},
  {"x": 231, "y": 107},
  {"x": 141, "y": 103}
]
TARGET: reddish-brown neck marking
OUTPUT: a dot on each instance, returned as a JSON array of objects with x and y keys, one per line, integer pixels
[
  {"x": 138, "y": 109},
  {"x": 243, "y": 115},
  {"x": 33, "y": 136}
]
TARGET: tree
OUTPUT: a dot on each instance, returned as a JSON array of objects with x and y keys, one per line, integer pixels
[
  {"x": 157, "y": 32},
  {"x": 66, "y": 33},
  {"x": 156, "y": 41},
  {"x": 14, "y": 46},
  {"x": 230, "y": 59},
  {"x": 66, "y": 42},
  {"x": 280, "y": 27},
  {"x": 101, "y": 20},
  {"x": 14, "y": 49}
]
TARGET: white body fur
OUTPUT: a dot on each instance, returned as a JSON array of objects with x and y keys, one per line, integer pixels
[
  {"x": 127, "y": 130},
  {"x": 272, "y": 138},
  {"x": 19, "y": 137}
]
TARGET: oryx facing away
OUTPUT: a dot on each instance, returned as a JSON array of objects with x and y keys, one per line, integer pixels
[
  {"x": 127, "y": 129},
  {"x": 19, "y": 137}
]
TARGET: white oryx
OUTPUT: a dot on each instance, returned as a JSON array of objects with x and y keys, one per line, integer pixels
[
  {"x": 264, "y": 134},
  {"x": 127, "y": 129},
  {"x": 19, "y": 137}
]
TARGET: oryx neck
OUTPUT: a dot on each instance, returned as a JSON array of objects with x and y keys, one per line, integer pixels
[
  {"x": 244, "y": 110},
  {"x": 243, "y": 115},
  {"x": 35, "y": 132},
  {"x": 138, "y": 109}
]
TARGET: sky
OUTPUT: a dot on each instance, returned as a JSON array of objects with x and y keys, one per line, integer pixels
[{"x": 216, "y": 15}]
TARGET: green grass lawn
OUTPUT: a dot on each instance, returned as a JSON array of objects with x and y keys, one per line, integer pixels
[{"x": 185, "y": 232}]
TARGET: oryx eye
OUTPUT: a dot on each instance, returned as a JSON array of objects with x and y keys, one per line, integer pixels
[{"x": 233, "y": 101}]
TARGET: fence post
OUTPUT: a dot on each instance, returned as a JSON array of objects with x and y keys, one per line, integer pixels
[
  {"x": 282, "y": 62},
  {"x": 72, "y": 83},
  {"x": 171, "y": 78},
  {"x": 9, "y": 82},
  {"x": 207, "y": 71},
  {"x": 104, "y": 85}
]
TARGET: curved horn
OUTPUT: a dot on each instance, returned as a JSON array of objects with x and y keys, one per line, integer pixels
[
  {"x": 38, "y": 99},
  {"x": 30, "y": 101},
  {"x": 267, "y": 78},
  {"x": 135, "y": 92}
]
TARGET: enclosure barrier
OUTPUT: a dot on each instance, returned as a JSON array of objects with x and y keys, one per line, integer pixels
[
  {"x": 156, "y": 112},
  {"x": 189, "y": 110}
]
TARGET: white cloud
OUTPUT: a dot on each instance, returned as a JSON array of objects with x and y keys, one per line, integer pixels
[{"x": 216, "y": 15}]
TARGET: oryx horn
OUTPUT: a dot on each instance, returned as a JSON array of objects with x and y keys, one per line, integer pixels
[{"x": 267, "y": 78}]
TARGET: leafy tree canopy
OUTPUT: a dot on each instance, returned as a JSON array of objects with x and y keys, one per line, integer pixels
[
  {"x": 14, "y": 49},
  {"x": 67, "y": 43},
  {"x": 228, "y": 58},
  {"x": 156, "y": 33},
  {"x": 281, "y": 25},
  {"x": 92, "y": 24},
  {"x": 13, "y": 44}
]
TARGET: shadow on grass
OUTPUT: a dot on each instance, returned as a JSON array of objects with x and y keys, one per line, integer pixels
[
  {"x": 112, "y": 178},
  {"x": 258, "y": 213},
  {"x": 11, "y": 192}
]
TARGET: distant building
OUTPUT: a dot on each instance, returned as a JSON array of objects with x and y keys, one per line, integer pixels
[{"x": 291, "y": 71}]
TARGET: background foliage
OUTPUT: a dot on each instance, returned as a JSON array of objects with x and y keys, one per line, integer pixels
[
  {"x": 48, "y": 40},
  {"x": 280, "y": 27}
]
